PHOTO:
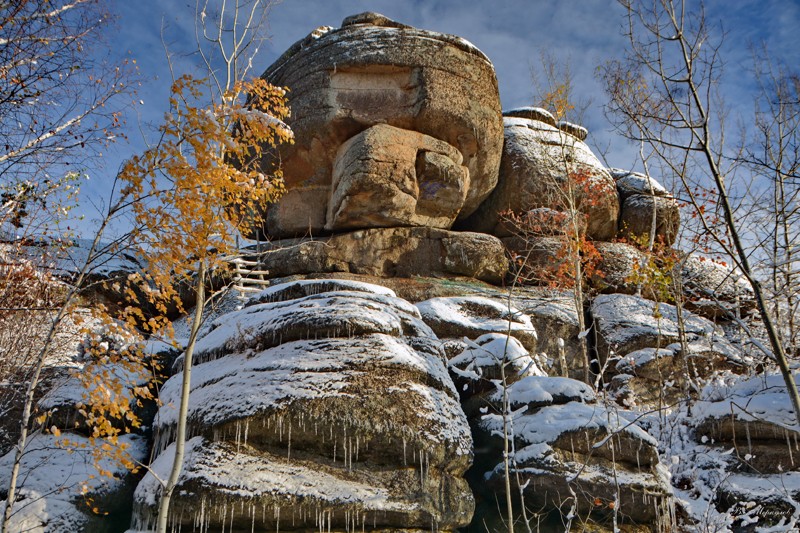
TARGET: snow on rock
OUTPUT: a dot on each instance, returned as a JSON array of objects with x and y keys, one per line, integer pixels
[
  {"x": 67, "y": 258},
  {"x": 113, "y": 380},
  {"x": 59, "y": 483},
  {"x": 714, "y": 290},
  {"x": 630, "y": 183},
  {"x": 325, "y": 315},
  {"x": 627, "y": 323},
  {"x": 755, "y": 415},
  {"x": 473, "y": 316},
  {"x": 537, "y": 161},
  {"x": 575, "y": 130},
  {"x": 247, "y": 489},
  {"x": 308, "y": 287},
  {"x": 585, "y": 449},
  {"x": 532, "y": 113},
  {"x": 311, "y": 394},
  {"x": 341, "y": 380},
  {"x": 488, "y": 358},
  {"x": 538, "y": 391}
]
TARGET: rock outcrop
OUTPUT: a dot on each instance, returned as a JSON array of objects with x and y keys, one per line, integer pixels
[
  {"x": 339, "y": 383},
  {"x": 641, "y": 195},
  {"x": 373, "y": 71},
  {"x": 391, "y": 252},
  {"x": 320, "y": 400},
  {"x": 540, "y": 162}
]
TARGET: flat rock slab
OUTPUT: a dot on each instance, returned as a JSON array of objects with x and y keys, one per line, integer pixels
[
  {"x": 392, "y": 252},
  {"x": 628, "y": 323}
]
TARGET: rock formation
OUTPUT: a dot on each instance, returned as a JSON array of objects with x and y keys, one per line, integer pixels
[
  {"x": 385, "y": 113},
  {"x": 393, "y": 364}
]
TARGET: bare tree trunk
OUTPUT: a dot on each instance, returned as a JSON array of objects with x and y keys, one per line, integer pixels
[{"x": 180, "y": 435}]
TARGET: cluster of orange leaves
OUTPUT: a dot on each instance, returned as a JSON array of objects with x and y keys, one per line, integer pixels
[
  {"x": 188, "y": 194},
  {"x": 204, "y": 179}
]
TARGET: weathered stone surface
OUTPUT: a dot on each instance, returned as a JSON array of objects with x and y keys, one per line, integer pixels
[
  {"x": 301, "y": 211},
  {"x": 630, "y": 183},
  {"x": 243, "y": 486},
  {"x": 536, "y": 260},
  {"x": 387, "y": 176},
  {"x": 538, "y": 159},
  {"x": 714, "y": 290},
  {"x": 620, "y": 267},
  {"x": 336, "y": 401},
  {"x": 392, "y": 252},
  {"x": 573, "y": 129},
  {"x": 373, "y": 71},
  {"x": 533, "y": 113},
  {"x": 754, "y": 415},
  {"x": 636, "y": 218}
]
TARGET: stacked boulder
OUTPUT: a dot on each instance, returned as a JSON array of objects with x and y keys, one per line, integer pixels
[
  {"x": 394, "y": 126},
  {"x": 321, "y": 404}
]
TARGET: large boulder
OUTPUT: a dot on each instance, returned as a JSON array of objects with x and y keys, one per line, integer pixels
[
  {"x": 325, "y": 398},
  {"x": 375, "y": 71},
  {"x": 387, "y": 176},
  {"x": 755, "y": 416},
  {"x": 640, "y": 353},
  {"x": 540, "y": 163},
  {"x": 636, "y": 218},
  {"x": 391, "y": 252},
  {"x": 572, "y": 453}
]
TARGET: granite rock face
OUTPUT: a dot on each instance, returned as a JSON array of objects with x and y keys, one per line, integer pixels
[
  {"x": 375, "y": 71},
  {"x": 387, "y": 176},
  {"x": 640, "y": 196}
]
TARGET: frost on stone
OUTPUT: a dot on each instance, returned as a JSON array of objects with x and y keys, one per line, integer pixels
[
  {"x": 636, "y": 361},
  {"x": 532, "y": 113},
  {"x": 585, "y": 449},
  {"x": 629, "y": 323},
  {"x": 317, "y": 316},
  {"x": 714, "y": 289},
  {"x": 539, "y": 391},
  {"x": 630, "y": 183},
  {"x": 375, "y": 386},
  {"x": 57, "y": 475},
  {"x": 308, "y": 287},
  {"x": 760, "y": 400}
]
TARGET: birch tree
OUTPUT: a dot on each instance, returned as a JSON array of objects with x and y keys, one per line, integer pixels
[{"x": 665, "y": 94}]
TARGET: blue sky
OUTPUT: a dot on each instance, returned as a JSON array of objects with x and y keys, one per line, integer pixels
[{"x": 512, "y": 33}]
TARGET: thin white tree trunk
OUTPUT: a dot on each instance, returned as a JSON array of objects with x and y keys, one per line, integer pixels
[{"x": 180, "y": 435}]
